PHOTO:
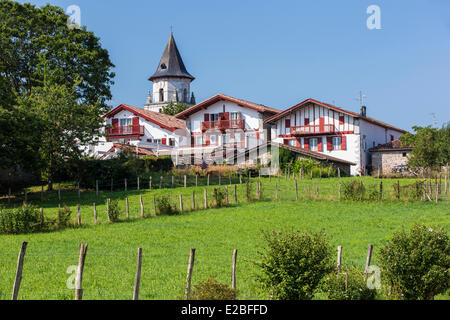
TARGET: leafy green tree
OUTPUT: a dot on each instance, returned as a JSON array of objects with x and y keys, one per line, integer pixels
[
  {"x": 417, "y": 263},
  {"x": 26, "y": 32},
  {"x": 65, "y": 123},
  {"x": 174, "y": 108}
]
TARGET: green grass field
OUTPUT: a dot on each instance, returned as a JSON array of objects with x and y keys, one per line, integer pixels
[{"x": 166, "y": 240}]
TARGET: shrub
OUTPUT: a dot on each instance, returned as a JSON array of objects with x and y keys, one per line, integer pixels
[
  {"x": 219, "y": 197},
  {"x": 63, "y": 218},
  {"x": 353, "y": 191},
  {"x": 416, "y": 264},
  {"x": 114, "y": 211},
  {"x": 294, "y": 263},
  {"x": 164, "y": 207},
  {"x": 334, "y": 285},
  {"x": 25, "y": 219},
  {"x": 212, "y": 290}
]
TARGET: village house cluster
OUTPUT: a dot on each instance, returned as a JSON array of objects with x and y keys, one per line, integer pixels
[{"x": 222, "y": 128}]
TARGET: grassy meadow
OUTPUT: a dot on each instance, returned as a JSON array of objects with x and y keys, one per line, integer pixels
[{"x": 111, "y": 258}]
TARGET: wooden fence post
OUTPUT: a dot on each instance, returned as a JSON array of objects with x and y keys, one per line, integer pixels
[
  {"x": 142, "y": 206},
  {"x": 127, "y": 208},
  {"x": 226, "y": 195},
  {"x": 436, "y": 191},
  {"x": 339, "y": 259},
  {"x": 311, "y": 173},
  {"x": 208, "y": 180},
  {"x": 240, "y": 178},
  {"x": 150, "y": 183},
  {"x": 235, "y": 194},
  {"x": 137, "y": 279},
  {"x": 220, "y": 179},
  {"x": 185, "y": 181},
  {"x": 233, "y": 270},
  {"x": 340, "y": 187},
  {"x": 160, "y": 181},
  {"x": 95, "y": 214},
  {"x": 189, "y": 274},
  {"x": 339, "y": 173},
  {"x": 276, "y": 191},
  {"x": 181, "y": 203},
  {"x": 154, "y": 205},
  {"x": 59, "y": 191},
  {"x": 79, "y": 276},
  {"x": 369, "y": 257},
  {"x": 205, "y": 199},
  {"x": 79, "y": 215},
  {"x": 296, "y": 191},
  {"x": 18, "y": 278},
  {"x": 107, "y": 209},
  {"x": 381, "y": 190},
  {"x": 193, "y": 200},
  {"x": 138, "y": 183}
]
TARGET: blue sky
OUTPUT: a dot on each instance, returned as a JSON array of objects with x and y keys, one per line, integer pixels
[{"x": 279, "y": 53}]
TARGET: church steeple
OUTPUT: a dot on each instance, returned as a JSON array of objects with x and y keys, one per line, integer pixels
[
  {"x": 171, "y": 81},
  {"x": 171, "y": 64}
]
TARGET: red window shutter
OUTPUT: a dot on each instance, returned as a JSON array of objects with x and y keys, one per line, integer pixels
[
  {"x": 322, "y": 124},
  {"x": 392, "y": 137},
  {"x": 164, "y": 141},
  {"x": 306, "y": 143},
  {"x": 285, "y": 141},
  {"x": 115, "y": 123},
  {"x": 206, "y": 116},
  {"x": 343, "y": 143},
  {"x": 298, "y": 143},
  {"x": 319, "y": 144},
  {"x": 329, "y": 143},
  {"x": 257, "y": 135},
  {"x": 135, "y": 121},
  {"x": 207, "y": 140},
  {"x": 227, "y": 116},
  {"x": 341, "y": 120},
  {"x": 288, "y": 123},
  {"x": 306, "y": 121},
  {"x": 149, "y": 140},
  {"x": 192, "y": 141}
]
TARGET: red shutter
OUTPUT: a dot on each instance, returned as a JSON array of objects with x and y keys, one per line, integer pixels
[
  {"x": 341, "y": 120},
  {"x": 322, "y": 124},
  {"x": 149, "y": 140},
  {"x": 257, "y": 135},
  {"x": 164, "y": 141},
  {"x": 329, "y": 143},
  {"x": 135, "y": 121},
  {"x": 207, "y": 140},
  {"x": 115, "y": 123},
  {"x": 298, "y": 143},
  {"x": 306, "y": 143},
  {"x": 343, "y": 143},
  {"x": 227, "y": 116},
  {"x": 287, "y": 123},
  {"x": 306, "y": 121},
  {"x": 286, "y": 141},
  {"x": 206, "y": 116},
  {"x": 319, "y": 144},
  {"x": 192, "y": 141}
]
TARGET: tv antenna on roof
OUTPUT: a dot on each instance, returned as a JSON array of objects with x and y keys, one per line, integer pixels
[{"x": 361, "y": 98}]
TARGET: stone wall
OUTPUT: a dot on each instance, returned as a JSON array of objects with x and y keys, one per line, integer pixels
[{"x": 388, "y": 160}]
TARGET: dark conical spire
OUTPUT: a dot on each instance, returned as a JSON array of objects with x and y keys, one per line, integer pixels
[{"x": 171, "y": 64}]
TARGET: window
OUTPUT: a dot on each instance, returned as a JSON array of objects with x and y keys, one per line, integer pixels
[
  {"x": 404, "y": 154},
  {"x": 292, "y": 142},
  {"x": 161, "y": 95},
  {"x": 337, "y": 142},
  {"x": 199, "y": 140},
  {"x": 313, "y": 144},
  {"x": 235, "y": 116},
  {"x": 125, "y": 122},
  {"x": 172, "y": 142},
  {"x": 157, "y": 141},
  {"x": 214, "y": 116},
  {"x": 213, "y": 139}
]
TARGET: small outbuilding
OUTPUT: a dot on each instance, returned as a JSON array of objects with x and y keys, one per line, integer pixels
[{"x": 390, "y": 157}]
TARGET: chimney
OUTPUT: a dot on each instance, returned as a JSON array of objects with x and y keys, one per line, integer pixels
[{"x": 364, "y": 111}]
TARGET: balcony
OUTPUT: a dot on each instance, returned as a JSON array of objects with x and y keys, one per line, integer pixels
[
  {"x": 223, "y": 124},
  {"x": 125, "y": 130},
  {"x": 313, "y": 129}
]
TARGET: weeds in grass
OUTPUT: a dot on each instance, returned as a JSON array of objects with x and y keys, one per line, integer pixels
[
  {"x": 165, "y": 208},
  {"x": 211, "y": 289}
]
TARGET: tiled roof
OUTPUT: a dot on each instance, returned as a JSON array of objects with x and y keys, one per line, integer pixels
[
  {"x": 354, "y": 114},
  {"x": 163, "y": 120},
  {"x": 395, "y": 145},
  {"x": 218, "y": 97}
]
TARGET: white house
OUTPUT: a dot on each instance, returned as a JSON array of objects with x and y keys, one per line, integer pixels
[
  {"x": 152, "y": 132},
  {"x": 226, "y": 121},
  {"x": 327, "y": 129}
]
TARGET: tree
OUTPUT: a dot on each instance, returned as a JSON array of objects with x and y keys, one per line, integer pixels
[
  {"x": 65, "y": 123},
  {"x": 174, "y": 108},
  {"x": 430, "y": 146},
  {"x": 26, "y": 32}
]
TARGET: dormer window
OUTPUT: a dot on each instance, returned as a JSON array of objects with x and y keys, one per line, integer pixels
[{"x": 163, "y": 66}]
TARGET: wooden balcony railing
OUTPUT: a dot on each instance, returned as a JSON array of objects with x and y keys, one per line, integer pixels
[
  {"x": 125, "y": 130},
  {"x": 313, "y": 129},
  {"x": 223, "y": 124}
]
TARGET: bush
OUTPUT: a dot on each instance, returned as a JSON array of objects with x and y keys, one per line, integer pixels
[
  {"x": 294, "y": 263},
  {"x": 353, "y": 191},
  {"x": 334, "y": 285},
  {"x": 416, "y": 264},
  {"x": 164, "y": 207},
  {"x": 25, "y": 219},
  {"x": 219, "y": 197},
  {"x": 63, "y": 218},
  {"x": 114, "y": 211},
  {"x": 212, "y": 290}
]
